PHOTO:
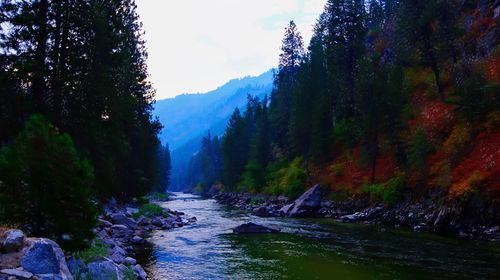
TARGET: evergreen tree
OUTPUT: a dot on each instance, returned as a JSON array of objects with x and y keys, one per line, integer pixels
[
  {"x": 291, "y": 56},
  {"x": 46, "y": 186}
]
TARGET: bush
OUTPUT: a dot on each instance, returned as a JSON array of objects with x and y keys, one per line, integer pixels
[
  {"x": 389, "y": 192},
  {"x": 289, "y": 180},
  {"x": 47, "y": 187},
  {"x": 149, "y": 210},
  {"x": 160, "y": 196},
  {"x": 254, "y": 177},
  {"x": 419, "y": 149},
  {"x": 96, "y": 249},
  {"x": 337, "y": 169}
]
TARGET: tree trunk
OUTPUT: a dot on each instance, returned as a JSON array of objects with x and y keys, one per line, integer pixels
[{"x": 437, "y": 77}]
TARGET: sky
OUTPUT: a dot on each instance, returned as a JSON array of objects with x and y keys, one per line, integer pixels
[{"x": 197, "y": 45}]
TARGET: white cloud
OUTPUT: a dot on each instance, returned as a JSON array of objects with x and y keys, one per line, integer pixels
[{"x": 197, "y": 45}]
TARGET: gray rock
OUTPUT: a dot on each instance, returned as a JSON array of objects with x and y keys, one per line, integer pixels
[
  {"x": 192, "y": 220},
  {"x": 102, "y": 270},
  {"x": 262, "y": 211},
  {"x": 49, "y": 277},
  {"x": 19, "y": 274},
  {"x": 121, "y": 219},
  {"x": 131, "y": 211},
  {"x": 285, "y": 209},
  {"x": 103, "y": 223},
  {"x": 130, "y": 261},
  {"x": 253, "y": 228},
  {"x": 14, "y": 241},
  {"x": 40, "y": 259},
  {"x": 117, "y": 258},
  {"x": 143, "y": 221},
  {"x": 119, "y": 227},
  {"x": 141, "y": 274},
  {"x": 157, "y": 221},
  {"x": 308, "y": 203},
  {"x": 75, "y": 266},
  {"x": 137, "y": 240},
  {"x": 44, "y": 256}
]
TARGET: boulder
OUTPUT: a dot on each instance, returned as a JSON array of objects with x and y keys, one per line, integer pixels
[
  {"x": 143, "y": 221},
  {"x": 131, "y": 211},
  {"x": 141, "y": 274},
  {"x": 75, "y": 266},
  {"x": 308, "y": 203},
  {"x": 137, "y": 239},
  {"x": 103, "y": 223},
  {"x": 117, "y": 258},
  {"x": 14, "y": 241},
  {"x": 285, "y": 209},
  {"x": 121, "y": 219},
  {"x": 102, "y": 270},
  {"x": 192, "y": 220},
  {"x": 157, "y": 221},
  {"x": 44, "y": 256},
  {"x": 19, "y": 274},
  {"x": 262, "y": 211},
  {"x": 253, "y": 228},
  {"x": 130, "y": 261}
]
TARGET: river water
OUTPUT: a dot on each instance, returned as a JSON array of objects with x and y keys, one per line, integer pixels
[{"x": 307, "y": 249}]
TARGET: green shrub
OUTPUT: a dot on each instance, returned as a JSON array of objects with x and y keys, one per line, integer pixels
[
  {"x": 47, "y": 186},
  {"x": 97, "y": 249},
  {"x": 160, "y": 196},
  {"x": 289, "y": 180},
  {"x": 129, "y": 274},
  {"x": 337, "y": 169},
  {"x": 294, "y": 179},
  {"x": 254, "y": 178},
  {"x": 420, "y": 146},
  {"x": 149, "y": 210},
  {"x": 389, "y": 192}
]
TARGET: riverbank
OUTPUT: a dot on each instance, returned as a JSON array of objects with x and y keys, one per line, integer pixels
[
  {"x": 476, "y": 216},
  {"x": 121, "y": 230}
]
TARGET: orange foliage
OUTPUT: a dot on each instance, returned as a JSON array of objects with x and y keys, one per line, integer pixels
[
  {"x": 354, "y": 175},
  {"x": 491, "y": 69},
  {"x": 436, "y": 118},
  {"x": 483, "y": 161}
]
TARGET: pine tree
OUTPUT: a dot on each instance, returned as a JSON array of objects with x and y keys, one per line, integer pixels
[{"x": 281, "y": 96}]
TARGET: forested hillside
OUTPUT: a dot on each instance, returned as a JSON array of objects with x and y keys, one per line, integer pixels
[
  {"x": 75, "y": 115},
  {"x": 390, "y": 99}
]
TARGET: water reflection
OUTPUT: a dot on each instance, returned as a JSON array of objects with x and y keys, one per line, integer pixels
[{"x": 308, "y": 249}]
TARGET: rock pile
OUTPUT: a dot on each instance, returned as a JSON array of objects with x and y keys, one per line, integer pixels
[{"x": 117, "y": 230}]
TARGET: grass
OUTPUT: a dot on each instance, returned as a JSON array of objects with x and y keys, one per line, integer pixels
[
  {"x": 149, "y": 210},
  {"x": 160, "y": 196},
  {"x": 97, "y": 249},
  {"x": 129, "y": 274}
]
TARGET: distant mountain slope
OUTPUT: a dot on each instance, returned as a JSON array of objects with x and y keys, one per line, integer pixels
[{"x": 187, "y": 117}]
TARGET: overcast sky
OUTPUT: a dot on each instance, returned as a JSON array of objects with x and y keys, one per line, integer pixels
[{"x": 198, "y": 45}]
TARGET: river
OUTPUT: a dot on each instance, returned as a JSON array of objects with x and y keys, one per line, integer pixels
[{"x": 307, "y": 249}]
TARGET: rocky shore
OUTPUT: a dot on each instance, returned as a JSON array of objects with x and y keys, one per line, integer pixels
[
  {"x": 476, "y": 216},
  {"x": 118, "y": 232}
]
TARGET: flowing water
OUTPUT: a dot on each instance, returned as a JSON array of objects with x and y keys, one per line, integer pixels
[{"x": 307, "y": 249}]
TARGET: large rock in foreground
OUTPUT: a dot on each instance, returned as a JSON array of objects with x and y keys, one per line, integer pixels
[
  {"x": 254, "y": 228},
  {"x": 45, "y": 257},
  {"x": 307, "y": 205}
]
